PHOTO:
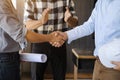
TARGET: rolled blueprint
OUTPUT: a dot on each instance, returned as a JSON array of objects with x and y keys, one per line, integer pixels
[{"x": 33, "y": 57}]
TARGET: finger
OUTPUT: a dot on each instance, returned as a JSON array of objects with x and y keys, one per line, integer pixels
[
  {"x": 114, "y": 62},
  {"x": 61, "y": 42},
  {"x": 67, "y": 9},
  {"x": 51, "y": 43},
  {"x": 45, "y": 11},
  {"x": 48, "y": 9},
  {"x": 116, "y": 68},
  {"x": 56, "y": 44}
]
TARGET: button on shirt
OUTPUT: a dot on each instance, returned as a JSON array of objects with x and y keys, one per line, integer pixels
[
  {"x": 12, "y": 32},
  {"x": 104, "y": 21}
]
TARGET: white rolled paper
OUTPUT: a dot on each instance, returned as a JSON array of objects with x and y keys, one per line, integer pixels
[{"x": 33, "y": 57}]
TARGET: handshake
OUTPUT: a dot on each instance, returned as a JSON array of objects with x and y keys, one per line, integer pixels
[{"x": 57, "y": 38}]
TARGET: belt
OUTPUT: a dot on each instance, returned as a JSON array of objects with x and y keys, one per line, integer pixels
[
  {"x": 7, "y": 57},
  {"x": 47, "y": 32}
]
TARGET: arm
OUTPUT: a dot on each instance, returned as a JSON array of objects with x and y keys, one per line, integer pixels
[
  {"x": 9, "y": 22},
  {"x": 33, "y": 24},
  {"x": 85, "y": 29},
  {"x": 30, "y": 19},
  {"x": 38, "y": 38}
]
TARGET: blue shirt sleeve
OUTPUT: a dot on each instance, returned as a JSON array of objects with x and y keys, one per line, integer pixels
[{"x": 83, "y": 30}]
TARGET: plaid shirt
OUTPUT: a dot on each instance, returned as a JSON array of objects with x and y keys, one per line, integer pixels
[{"x": 34, "y": 9}]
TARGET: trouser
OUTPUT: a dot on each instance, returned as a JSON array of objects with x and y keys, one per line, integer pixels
[
  {"x": 9, "y": 66},
  {"x": 56, "y": 57},
  {"x": 103, "y": 73}
]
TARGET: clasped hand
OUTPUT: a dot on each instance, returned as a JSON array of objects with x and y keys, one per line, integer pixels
[{"x": 58, "y": 38}]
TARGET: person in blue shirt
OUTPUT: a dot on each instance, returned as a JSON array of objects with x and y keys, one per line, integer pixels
[{"x": 105, "y": 23}]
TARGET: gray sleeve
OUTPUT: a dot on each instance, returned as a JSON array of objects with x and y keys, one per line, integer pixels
[{"x": 10, "y": 23}]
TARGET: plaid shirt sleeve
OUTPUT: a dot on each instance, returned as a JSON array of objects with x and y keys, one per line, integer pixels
[
  {"x": 28, "y": 10},
  {"x": 73, "y": 21}
]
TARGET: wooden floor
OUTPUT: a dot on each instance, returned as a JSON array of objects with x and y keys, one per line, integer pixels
[{"x": 26, "y": 76}]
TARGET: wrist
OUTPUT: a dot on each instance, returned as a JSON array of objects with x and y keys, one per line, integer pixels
[
  {"x": 65, "y": 36},
  {"x": 48, "y": 37}
]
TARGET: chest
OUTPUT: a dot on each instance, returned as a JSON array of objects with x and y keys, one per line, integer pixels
[
  {"x": 109, "y": 11},
  {"x": 56, "y": 6}
]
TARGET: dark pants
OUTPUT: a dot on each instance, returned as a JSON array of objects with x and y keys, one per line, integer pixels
[
  {"x": 9, "y": 66},
  {"x": 57, "y": 58}
]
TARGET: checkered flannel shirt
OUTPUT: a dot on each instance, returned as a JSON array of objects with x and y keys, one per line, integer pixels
[{"x": 34, "y": 9}]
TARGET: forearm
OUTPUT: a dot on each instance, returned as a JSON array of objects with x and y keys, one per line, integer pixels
[
  {"x": 33, "y": 24},
  {"x": 36, "y": 38},
  {"x": 40, "y": 38}
]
